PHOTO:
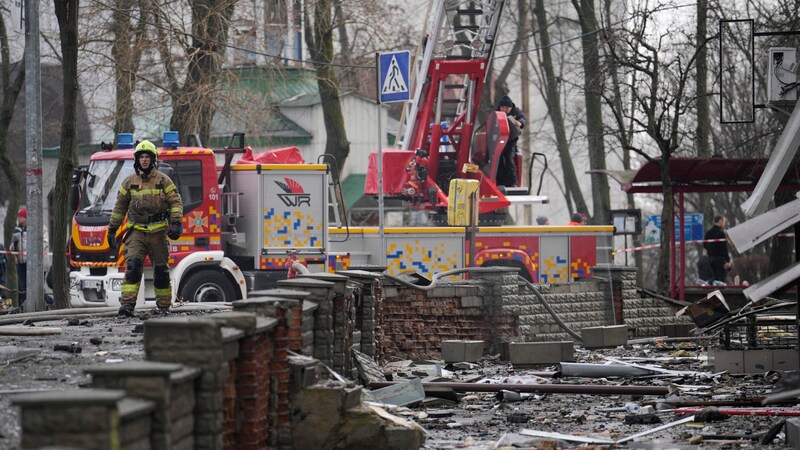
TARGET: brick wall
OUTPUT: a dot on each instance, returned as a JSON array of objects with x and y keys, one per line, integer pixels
[
  {"x": 414, "y": 322},
  {"x": 496, "y": 306}
]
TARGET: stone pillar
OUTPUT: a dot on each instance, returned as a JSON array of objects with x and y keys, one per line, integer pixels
[
  {"x": 251, "y": 418},
  {"x": 170, "y": 386},
  {"x": 322, "y": 293},
  {"x": 281, "y": 310},
  {"x": 500, "y": 287},
  {"x": 309, "y": 310},
  {"x": 365, "y": 308},
  {"x": 343, "y": 315},
  {"x": 84, "y": 418},
  {"x": 623, "y": 286},
  {"x": 202, "y": 343}
]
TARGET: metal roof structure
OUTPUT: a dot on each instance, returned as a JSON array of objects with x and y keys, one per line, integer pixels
[{"x": 700, "y": 175}]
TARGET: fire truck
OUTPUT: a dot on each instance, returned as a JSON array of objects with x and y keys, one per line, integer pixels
[
  {"x": 222, "y": 249},
  {"x": 245, "y": 220}
]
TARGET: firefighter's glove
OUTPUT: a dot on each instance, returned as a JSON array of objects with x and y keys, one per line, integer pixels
[
  {"x": 174, "y": 231},
  {"x": 112, "y": 238}
]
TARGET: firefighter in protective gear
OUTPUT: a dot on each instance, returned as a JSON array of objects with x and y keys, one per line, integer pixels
[{"x": 151, "y": 201}]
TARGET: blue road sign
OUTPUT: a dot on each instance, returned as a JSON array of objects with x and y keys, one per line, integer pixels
[
  {"x": 692, "y": 228},
  {"x": 393, "y": 80}
]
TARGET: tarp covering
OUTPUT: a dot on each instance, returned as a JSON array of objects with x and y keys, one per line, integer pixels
[
  {"x": 394, "y": 171},
  {"x": 288, "y": 155}
]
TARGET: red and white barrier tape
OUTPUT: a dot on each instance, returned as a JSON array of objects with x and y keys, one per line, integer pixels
[
  {"x": 9, "y": 252},
  {"x": 648, "y": 246}
]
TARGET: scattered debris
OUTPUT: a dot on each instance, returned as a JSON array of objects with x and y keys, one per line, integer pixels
[
  {"x": 789, "y": 412},
  {"x": 517, "y": 417},
  {"x": 710, "y": 415},
  {"x": 9, "y": 330},
  {"x": 566, "y": 437},
  {"x": 399, "y": 394},
  {"x": 96, "y": 340},
  {"x": 69, "y": 348},
  {"x": 513, "y": 396},
  {"x": 11, "y": 353},
  {"x": 368, "y": 369},
  {"x": 639, "y": 419}
]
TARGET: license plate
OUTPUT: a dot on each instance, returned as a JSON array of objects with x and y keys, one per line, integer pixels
[{"x": 91, "y": 284}]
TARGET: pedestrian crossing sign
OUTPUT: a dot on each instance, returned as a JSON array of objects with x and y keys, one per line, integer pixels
[{"x": 393, "y": 80}]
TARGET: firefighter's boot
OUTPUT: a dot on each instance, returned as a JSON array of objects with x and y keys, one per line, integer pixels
[
  {"x": 160, "y": 312},
  {"x": 126, "y": 310}
]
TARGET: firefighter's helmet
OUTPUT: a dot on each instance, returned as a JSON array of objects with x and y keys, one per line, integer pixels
[{"x": 145, "y": 147}]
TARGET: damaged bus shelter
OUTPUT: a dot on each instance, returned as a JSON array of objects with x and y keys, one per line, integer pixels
[{"x": 695, "y": 175}]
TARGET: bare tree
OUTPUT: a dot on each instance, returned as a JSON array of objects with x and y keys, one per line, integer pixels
[
  {"x": 12, "y": 77},
  {"x": 193, "y": 100},
  {"x": 621, "y": 126},
  {"x": 67, "y": 15},
  {"x": 552, "y": 98},
  {"x": 662, "y": 100},
  {"x": 319, "y": 39},
  {"x": 126, "y": 51},
  {"x": 593, "y": 89}
]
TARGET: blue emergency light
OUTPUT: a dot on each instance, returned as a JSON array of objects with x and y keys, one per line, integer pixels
[
  {"x": 170, "y": 140},
  {"x": 125, "y": 140}
]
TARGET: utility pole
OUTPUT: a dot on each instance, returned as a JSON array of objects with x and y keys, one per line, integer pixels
[
  {"x": 525, "y": 82},
  {"x": 33, "y": 159}
]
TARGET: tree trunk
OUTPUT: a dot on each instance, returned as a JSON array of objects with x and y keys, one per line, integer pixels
[
  {"x": 667, "y": 213},
  {"x": 67, "y": 14},
  {"x": 553, "y": 99},
  {"x": 320, "y": 43},
  {"x": 193, "y": 104},
  {"x": 524, "y": 78},
  {"x": 124, "y": 77},
  {"x": 624, "y": 133},
  {"x": 703, "y": 119},
  {"x": 593, "y": 80},
  {"x": 11, "y": 80},
  {"x": 126, "y": 51}
]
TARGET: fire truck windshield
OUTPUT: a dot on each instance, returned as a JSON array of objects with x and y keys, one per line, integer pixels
[{"x": 102, "y": 184}]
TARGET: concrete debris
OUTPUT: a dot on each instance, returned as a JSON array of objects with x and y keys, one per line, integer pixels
[
  {"x": 11, "y": 353},
  {"x": 69, "y": 348},
  {"x": 399, "y": 394},
  {"x": 368, "y": 369},
  {"x": 9, "y": 330},
  {"x": 641, "y": 419}
]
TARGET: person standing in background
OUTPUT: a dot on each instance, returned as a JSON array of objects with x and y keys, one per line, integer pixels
[
  {"x": 717, "y": 252},
  {"x": 19, "y": 244}
]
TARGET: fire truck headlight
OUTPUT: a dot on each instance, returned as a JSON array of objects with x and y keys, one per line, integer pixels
[{"x": 116, "y": 285}]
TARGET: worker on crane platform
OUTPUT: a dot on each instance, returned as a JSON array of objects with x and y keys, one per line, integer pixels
[{"x": 507, "y": 168}]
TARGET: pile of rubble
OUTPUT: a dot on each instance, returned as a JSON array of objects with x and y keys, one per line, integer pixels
[{"x": 490, "y": 404}]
